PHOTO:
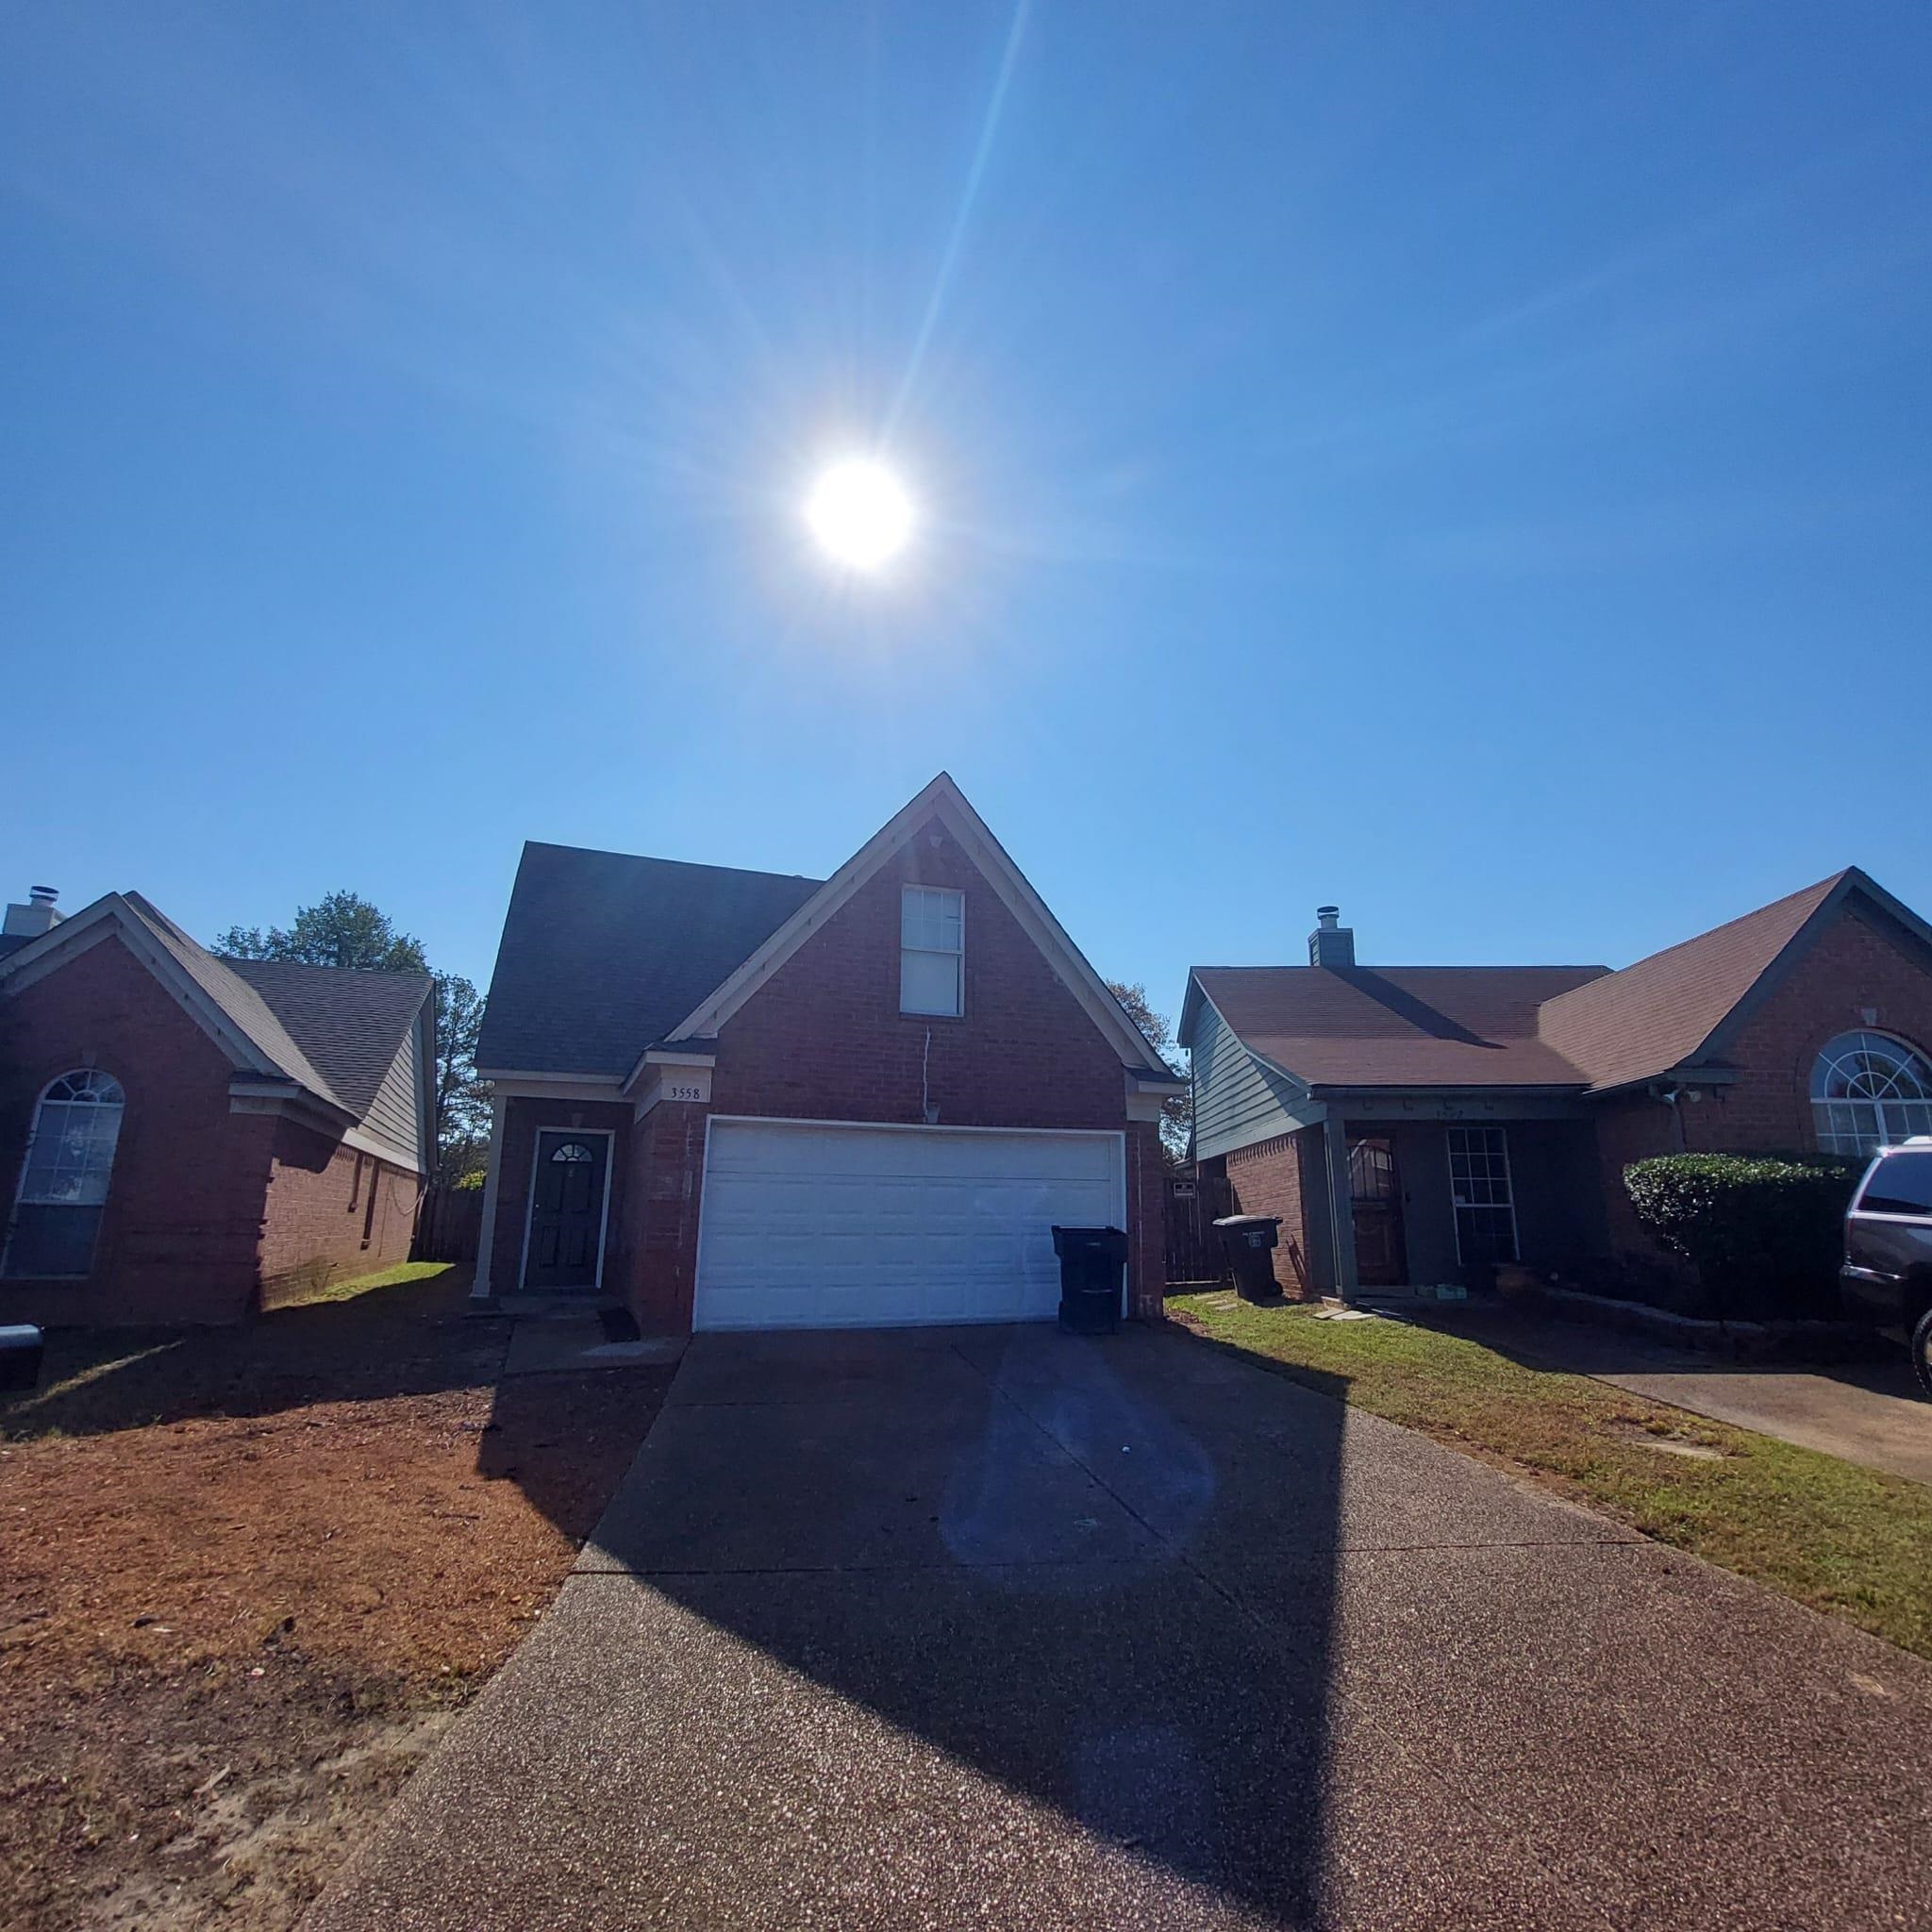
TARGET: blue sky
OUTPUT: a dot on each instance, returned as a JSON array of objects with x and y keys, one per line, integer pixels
[{"x": 1469, "y": 463}]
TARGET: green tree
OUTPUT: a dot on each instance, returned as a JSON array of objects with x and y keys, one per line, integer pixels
[
  {"x": 345, "y": 929},
  {"x": 463, "y": 1106},
  {"x": 1177, "y": 1111}
]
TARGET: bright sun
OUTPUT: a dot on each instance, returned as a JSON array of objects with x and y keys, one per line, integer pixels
[{"x": 859, "y": 513}]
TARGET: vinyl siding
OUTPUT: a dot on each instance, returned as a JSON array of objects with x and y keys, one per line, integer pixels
[
  {"x": 394, "y": 1116},
  {"x": 1237, "y": 1100}
]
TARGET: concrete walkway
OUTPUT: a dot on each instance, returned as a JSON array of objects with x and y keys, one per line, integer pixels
[
  {"x": 1004, "y": 1628},
  {"x": 1867, "y": 1413}
]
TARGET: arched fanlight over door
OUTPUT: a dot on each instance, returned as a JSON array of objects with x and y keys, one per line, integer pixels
[
  {"x": 63, "y": 1180},
  {"x": 1869, "y": 1091}
]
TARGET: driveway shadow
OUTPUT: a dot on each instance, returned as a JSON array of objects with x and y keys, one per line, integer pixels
[{"x": 1097, "y": 1574}]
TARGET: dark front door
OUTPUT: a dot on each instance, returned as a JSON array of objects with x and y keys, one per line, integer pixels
[
  {"x": 1376, "y": 1190},
  {"x": 566, "y": 1211}
]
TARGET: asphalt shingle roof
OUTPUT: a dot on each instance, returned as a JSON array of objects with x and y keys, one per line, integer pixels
[
  {"x": 1570, "y": 1026},
  {"x": 331, "y": 1030},
  {"x": 1399, "y": 1025},
  {"x": 604, "y": 953},
  {"x": 348, "y": 1026},
  {"x": 1657, "y": 1014}
]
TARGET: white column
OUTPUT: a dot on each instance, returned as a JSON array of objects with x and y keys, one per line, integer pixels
[
  {"x": 1341, "y": 1203},
  {"x": 485, "y": 1239}
]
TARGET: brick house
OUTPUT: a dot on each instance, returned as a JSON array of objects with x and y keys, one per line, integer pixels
[
  {"x": 188, "y": 1138},
  {"x": 1415, "y": 1125},
  {"x": 739, "y": 1099}
]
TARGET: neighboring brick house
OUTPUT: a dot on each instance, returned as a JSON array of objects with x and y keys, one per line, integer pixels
[
  {"x": 187, "y": 1138},
  {"x": 738, "y": 1099},
  {"x": 1414, "y": 1124}
]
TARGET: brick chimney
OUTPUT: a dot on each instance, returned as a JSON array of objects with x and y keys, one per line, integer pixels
[{"x": 1331, "y": 943}]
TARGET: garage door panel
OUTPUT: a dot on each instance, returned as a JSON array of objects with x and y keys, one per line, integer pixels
[{"x": 832, "y": 1227}]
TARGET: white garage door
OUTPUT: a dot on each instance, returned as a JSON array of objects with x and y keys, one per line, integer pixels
[{"x": 812, "y": 1226}]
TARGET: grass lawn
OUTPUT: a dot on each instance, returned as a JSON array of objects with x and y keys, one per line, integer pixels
[
  {"x": 247, "y": 1573},
  {"x": 1849, "y": 1540}
]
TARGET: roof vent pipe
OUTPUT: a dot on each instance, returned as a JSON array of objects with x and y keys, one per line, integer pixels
[{"x": 1331, "y": 943}]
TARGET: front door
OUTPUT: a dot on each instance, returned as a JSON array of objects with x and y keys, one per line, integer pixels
[
  {"x": 566, "y": 1210},
  {"x": 1375, "y": 1190}
]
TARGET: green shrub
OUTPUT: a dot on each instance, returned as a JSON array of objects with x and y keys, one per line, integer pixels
[{"x": 1763, "y": 1231}]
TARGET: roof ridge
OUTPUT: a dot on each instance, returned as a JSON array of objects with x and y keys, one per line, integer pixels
[
  {"x": 386, "y": 973},
  {"x": 1362, "y": 966},
  {"x": 652, "y": 858}
]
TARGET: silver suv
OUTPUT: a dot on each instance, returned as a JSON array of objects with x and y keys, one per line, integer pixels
[{"x": 1887, "y": 1277}]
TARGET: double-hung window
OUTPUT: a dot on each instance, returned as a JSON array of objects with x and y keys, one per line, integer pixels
[
  {"x": 932, "y": 951},
  {"x": 1479, "y": 1187}
]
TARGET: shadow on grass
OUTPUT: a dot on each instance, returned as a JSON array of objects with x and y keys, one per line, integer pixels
[
  {"x": 1534, "y": 1339},
  {"x": 409, "y": 1338}
]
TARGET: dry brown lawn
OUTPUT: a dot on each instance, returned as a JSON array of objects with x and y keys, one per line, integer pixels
[{"x": 246, "y": 1578}]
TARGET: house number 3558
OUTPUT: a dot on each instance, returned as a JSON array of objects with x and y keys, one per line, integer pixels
[{"x": 689, "y": 1093}]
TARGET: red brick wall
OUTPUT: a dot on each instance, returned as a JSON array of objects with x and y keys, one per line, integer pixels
[
  {"x": 824, "y": 1039},
  {"x": 1271, "y": 1177},
  {"x": 1854, "y": 967},
  {"x": 1632, "y": 1127},
  {"x": 523, "y": 1120},
  {"x": 331, "y": 1214},
  {"x": 666, "y": 1161},
  {"x": 183, "y": 1216}
]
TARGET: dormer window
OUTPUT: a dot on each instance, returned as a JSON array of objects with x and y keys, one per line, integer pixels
[{"x": 932, "y": 952}]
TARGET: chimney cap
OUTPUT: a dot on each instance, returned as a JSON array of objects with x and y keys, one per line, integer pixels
[
  {"x": 45, "y": 895},
  {"x": 1329, "y": 916}
]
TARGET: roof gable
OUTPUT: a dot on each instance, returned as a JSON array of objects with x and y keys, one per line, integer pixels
[
  {"x": 1662, "y": 1012},
  {"x": 330, "y": 1031},
  {"x": 1680, "y": 1007},
  {"x": 943, "y": 801}
]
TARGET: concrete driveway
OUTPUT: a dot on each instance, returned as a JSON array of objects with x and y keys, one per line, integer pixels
[
  {"x": 1006, "y": 1628},
  {"x": 1870, "y": 1412}
]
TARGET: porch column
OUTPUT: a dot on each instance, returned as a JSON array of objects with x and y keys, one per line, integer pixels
[
  {"x": 1341, "y": 1205},
  {"x": 486, "y": 1237}
]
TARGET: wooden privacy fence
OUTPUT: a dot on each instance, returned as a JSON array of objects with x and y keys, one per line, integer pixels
[
  {"x": 1194, "y": 1248},
  {"x": 447, "y": 1224}
]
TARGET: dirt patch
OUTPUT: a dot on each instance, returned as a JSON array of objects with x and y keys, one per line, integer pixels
[
  {"x": 241, "y": 1596},
  {"x": 1667, "y": 1442}
]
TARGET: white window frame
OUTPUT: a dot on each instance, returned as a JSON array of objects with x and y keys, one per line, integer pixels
[
  {"x": 956, "y": 953},
  {"x": 1826, "y": 1107},
  {"x": 1456, "y": 1203},
  {"x": 89, "y": 1076}
]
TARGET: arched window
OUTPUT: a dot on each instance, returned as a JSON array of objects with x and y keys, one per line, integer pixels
[
  {"x": 63, "y": 1180},
  {"x": 573, "y": 1150},
  {"x": 1869, "y": 1090}
]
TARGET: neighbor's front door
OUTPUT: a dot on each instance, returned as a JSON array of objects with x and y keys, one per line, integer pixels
[
  {"x": 1376, "y": 1190},
  {"x": 566, "y": 1210}
]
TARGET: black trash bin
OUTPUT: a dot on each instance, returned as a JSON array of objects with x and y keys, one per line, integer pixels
[
  {"x": 1092, "y": 1259},
  {"x": 20, "y": 1356},
  {"x": 1250, "y": 1241}
]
